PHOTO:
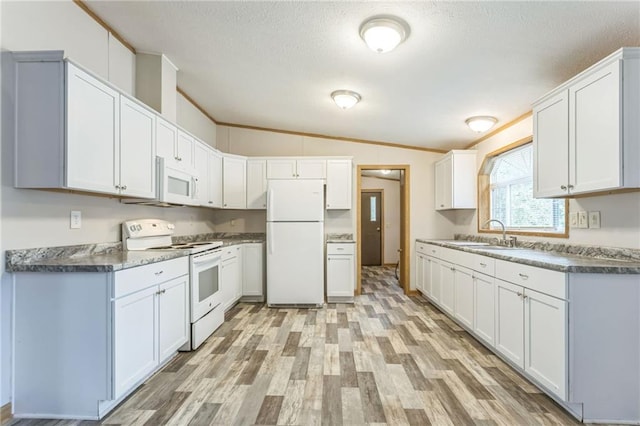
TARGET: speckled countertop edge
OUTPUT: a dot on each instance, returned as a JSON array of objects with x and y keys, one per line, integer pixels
[
  {"x": 340, "y": 238},
  {"x": 556, "y": 261},
  {"x": 108, "y": 257}
]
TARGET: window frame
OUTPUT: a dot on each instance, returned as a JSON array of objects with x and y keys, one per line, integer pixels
[{"x": 484, "y": 197}]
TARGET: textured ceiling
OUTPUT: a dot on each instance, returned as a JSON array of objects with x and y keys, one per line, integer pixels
[{"x": 274, "y": 64}]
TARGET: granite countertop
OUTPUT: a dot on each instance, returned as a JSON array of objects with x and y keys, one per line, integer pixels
[
  {"x": 107, "y": 257},
  {"x": 547, "y": 259},
  {"x": 340, "y": 238}
]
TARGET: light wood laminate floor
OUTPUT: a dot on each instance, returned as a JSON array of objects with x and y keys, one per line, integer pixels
[{"x": 387, "y": 359}]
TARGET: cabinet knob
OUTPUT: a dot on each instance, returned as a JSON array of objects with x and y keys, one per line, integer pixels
[
  {"x": 563, "y": 187},
  {"x": 570, "y": 186},
  {"x": 210, "y": 202},
  {"x": 158, "y": 273},
  {"x": 225, "y": 204},
  {"x": 519, "y": 294},
  {"x": 484, "y": 265},
  {"x": 441, "y": 205},
  {"x": 524, "y": 277},
  {"x": 124, "y": 187},
  {"x": 117, "y": 186}
]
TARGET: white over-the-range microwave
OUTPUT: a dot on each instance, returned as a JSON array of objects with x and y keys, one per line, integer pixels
[{"x": 174, "y": 187}]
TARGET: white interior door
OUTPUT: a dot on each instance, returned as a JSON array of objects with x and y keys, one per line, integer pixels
[{"x": 295, "y": 263}]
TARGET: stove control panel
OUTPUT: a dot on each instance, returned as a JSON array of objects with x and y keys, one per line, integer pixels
[{"x": 146, "y": 228}]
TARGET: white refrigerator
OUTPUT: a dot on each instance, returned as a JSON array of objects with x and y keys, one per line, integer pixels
[{"x": 295, "y": 242}]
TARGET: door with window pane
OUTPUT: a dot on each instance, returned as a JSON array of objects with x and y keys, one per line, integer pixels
[{"x": 371, "y": 220}]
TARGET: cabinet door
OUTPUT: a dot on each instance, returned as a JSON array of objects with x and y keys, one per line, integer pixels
[
  {"x": 237, "y": 288},
  {"x": 281, "y": 169},
  {"x": 435, "y": 280},
  {"x": 419, "y": 273},
  {"x": 339, "y": 186},
  {"x": 166, "y": 140},
  {"x": 228, "y": 282},
  {"x": 447, "y": 287},
  {"x": 135, "y": 338},
  {"x": 184, "y": 150},
  {"x": 311, "y": 169},
  {"x": 93, "y": 119},
  {"x": 551, "y": 147},
  {"x": 444, "y": 184},
  {"x": 257, "y": 184},
  {"x": 234, "y": 183},
  {"x": 595, "y": 136},
  {"x": 509, "y": 311},
  {"x": 483, "y": 308},
  {"x": 340, "y": 276},
  {"x": 201, "y": 167},
  {"x": 215, "y": 179},
  {"x": 253, "y": 273},
  {"x": 173, "y": 312},
  {"x": 464, "y": 297},
  {"x": 427, "y": 276},
  {"x": 137, "y": 150},
  {"x": 545, "y": 343}
]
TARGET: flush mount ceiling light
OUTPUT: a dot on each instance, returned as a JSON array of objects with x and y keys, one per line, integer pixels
[
  {"x": 345, "y": 99},
  {"x": 385, "y": 172},
  {"x": 384, "y": 33},
  {"x": 481, "y": 123}
]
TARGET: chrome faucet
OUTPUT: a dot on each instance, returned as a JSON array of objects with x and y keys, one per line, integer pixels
[{"x": 511, "y": 242}]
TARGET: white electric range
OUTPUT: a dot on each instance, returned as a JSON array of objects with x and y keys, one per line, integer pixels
[{"x": 206, "y": 311}]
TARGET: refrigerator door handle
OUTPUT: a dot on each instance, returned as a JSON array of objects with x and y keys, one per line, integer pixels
[
  {"x": 269, "y": 203},
  {"x": 270, "y": 245}
]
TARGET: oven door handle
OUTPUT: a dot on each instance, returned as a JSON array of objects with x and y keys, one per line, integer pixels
[{"x": 206, "y": 258}]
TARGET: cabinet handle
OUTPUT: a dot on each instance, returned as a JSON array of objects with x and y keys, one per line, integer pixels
[
  {"x": 524, "y": 277},
  {"x": 124, "y": 187},
  {"x": 519, "y": 294},
  {"x": 441, "y": 205},
  {"x": 225, "y": 204},
  {"x": 339, "y": 248},
  {"x": 158, "y": 273},
  {"x": 525, "y": 297},
  {"x": 484, "y": 265},
  {"x": 570, "y": 186},
  {"x": 433, "y": 251},
  {"x": 563, "y": 187},
  {"x": 117, "y": 186},
  {"x": 453, "y": 269},
  {"x": 210, "y": 202}
]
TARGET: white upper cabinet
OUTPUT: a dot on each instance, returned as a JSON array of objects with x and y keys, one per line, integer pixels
[
  {"x": 89, "y": 137},
  {"x": 166, "y": 140},
  {"x": 201, "y": 168},
  {"x": 339, "y": 187},
  {"x": 256, "y": 184},
  {"x": 455, "y": 180},
  {"x": 184, "y": 150},
  {"x": 92, "y": 145},
  {"x": 292, "y": 168},
  {"x": 214, "y": 184},
  {"x": 234, "y": 192},
  {"x": 137, "y": 150},
  {"x": 586, "y": 134}
]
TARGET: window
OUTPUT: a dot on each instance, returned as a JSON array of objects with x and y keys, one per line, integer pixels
[{"x": 506, "y": 186}]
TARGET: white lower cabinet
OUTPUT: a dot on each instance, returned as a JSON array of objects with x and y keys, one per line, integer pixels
[
  {"x": 135, "y": 338},
  {"x": 340, "y": 272},
  {"x": 253, "y": 272},
  {"x": 232, "y": 275},
  {"x": 484, "y": 308},
  {"x": 447, "y": 287},
  {"x": 509, "y": 311},
  {"x": 107, "y": 331},
  {"x": 545, "y": 340},
  {"x": 463, "y": 279}
]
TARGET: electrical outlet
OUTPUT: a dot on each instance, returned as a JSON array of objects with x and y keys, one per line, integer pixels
[
  {"x": 594, "y": 220},
  {"x": 233, "y": 222},
  {"x": 573, "y": 219},
  {"x": 76, "y": 219},
  {"x": 583, "y": 220}
]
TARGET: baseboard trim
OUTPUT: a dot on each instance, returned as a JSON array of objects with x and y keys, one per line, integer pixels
[
  {"x": 414, "y": 293},
  {"x": 5, "y": 413}
]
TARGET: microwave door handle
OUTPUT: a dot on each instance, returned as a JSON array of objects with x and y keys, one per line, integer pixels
[{"x": 195, "y": 187}]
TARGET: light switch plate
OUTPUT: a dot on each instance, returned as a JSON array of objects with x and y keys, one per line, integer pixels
[
  {"x": 76, "y": 219},
  {"x": 573, "y": 219},
  {"x": 583, "y": 220},
  {"x": 594, "y": 220}
]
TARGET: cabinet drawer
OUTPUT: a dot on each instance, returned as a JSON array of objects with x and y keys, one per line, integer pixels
[
  {"x": 423, "y": 248},
  {"x": 340, "y": 248},
  {"x": 483, "y": 264},
  {"x": 439, "y": 252},
  {"x": 545, "y": 281},
  {"x": 141, "y": 277},
  {"x": 230, "y": 252}
]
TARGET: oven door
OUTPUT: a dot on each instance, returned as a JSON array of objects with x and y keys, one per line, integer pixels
[
  {"x": 205, "y": 283},
  {"x": 176, "y": 186}
]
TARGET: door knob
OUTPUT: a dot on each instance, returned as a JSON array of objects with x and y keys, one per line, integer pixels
[{"x": 378, "y": 229}]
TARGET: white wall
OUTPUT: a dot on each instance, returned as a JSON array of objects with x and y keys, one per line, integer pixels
[
  {"x": 391, "y": 217},
  {"x": 31, "y": 218},
  {"x": 620, "y": 213},
  {"x": 190, "y": 118}
]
